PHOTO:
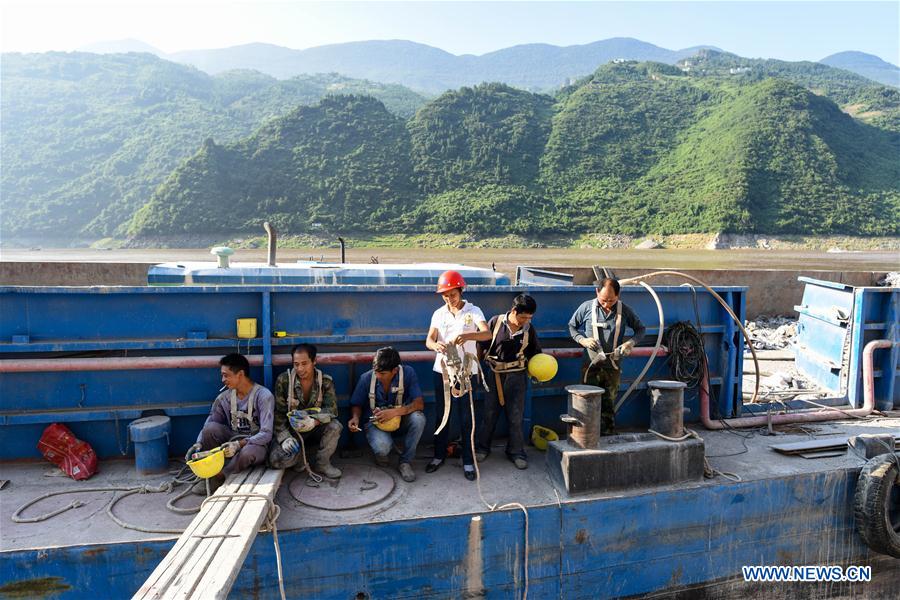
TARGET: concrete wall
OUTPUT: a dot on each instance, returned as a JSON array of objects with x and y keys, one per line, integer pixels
[
  {"x": 770, "y": 293},
  {"x": 73, "y": 273}
]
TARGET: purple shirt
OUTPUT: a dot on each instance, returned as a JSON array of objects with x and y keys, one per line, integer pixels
[{"x": 263, "y": 412}]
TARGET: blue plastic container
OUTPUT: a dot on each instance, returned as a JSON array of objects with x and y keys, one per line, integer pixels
[{"x": 151, "y": 444}]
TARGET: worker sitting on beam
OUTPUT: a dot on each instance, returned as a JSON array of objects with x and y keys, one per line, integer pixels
[
  {"x": 388, "y": 400},
  {"x": 306, "y": 390},
  {"x": 240, "y": 421}
]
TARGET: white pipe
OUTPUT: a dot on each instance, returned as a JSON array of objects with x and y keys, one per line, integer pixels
[{"x": 659, "y": 337}]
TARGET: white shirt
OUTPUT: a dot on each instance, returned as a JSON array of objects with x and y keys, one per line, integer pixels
[{"x": 449, "y": 326}]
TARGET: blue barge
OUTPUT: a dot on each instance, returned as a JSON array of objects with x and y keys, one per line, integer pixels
[{"x": 432, "y": 538}]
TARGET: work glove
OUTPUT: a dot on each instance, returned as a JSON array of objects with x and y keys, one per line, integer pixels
[
  {"x": 589, "y": 343},
  {"x": 190, "y": 451},
  {"x": 599, "y": 358},
  {"x": 625, "y": 349},
  {"x": 231, "y": 448},
  {"x": 290, "y": 445}
]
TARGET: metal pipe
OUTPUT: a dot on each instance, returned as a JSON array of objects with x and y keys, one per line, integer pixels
[
  {"x": 129, "y": 363},
  {"x": 343, "y": 251},
  {"x": 273, "y": 240},
  {"x": 805, "y": 416}
]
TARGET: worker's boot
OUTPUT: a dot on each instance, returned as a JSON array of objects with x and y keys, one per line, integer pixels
[{"x": 327, "y": 448}]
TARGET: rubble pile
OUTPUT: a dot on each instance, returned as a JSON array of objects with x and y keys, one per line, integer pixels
[
  {"x": 771, "y": 333},
  {"x": 891, "y": 279}
]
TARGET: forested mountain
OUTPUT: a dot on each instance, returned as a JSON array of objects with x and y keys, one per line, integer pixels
[
  {"x": 87, "y": 138},
  {"x": 536, "y": 67},
  {"x": 870, "y": 102},
  {"x": 636, "y": 148},
  {"x": 342, "y": 164},
  {"x": 717, "y": 143},
  {"x": 866, "y": 65}
]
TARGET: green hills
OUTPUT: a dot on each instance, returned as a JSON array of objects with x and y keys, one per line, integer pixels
[
  {"x": 132, "y": 145},
  {"x": 87, "y": 138},
  {"x": 637, "y": 148}
]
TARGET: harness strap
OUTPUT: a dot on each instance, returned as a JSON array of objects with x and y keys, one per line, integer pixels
[
  {"x": 293, "y": 403},
  {"x": 398, "y": 391},
  {"x": 596, "y": 326},
  {"x": 237, "y": 415},
  {"x": 520, "y": 356}
]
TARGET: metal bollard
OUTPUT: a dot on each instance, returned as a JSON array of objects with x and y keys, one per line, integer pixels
[
  {"x": 667, "y": 407},
  {"x": 583, "y": 416}
]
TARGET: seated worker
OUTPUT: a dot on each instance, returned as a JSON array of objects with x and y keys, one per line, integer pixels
[
  {"x": 599, "y": 326},
  {"x": 513, "y": 342},
  {"x": 389, "y": 402},
  {"x": 244, "y": 409},
  {"x": 301, "y": 388}
]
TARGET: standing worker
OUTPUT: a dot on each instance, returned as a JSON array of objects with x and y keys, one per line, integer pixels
[
  {"x": 298, "y": 389},
  {"x": 599, "y": 326},
  {"x": 244, "y": 409},
  {"x": 512, "y": 343},
  {"x": 456, "y": 324}
]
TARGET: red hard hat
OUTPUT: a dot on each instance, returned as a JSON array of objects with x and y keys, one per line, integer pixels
[{"x": 450, "y": 280}]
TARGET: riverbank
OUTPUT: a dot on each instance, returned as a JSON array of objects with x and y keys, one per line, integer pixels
[{"x": 599, "y": 241}]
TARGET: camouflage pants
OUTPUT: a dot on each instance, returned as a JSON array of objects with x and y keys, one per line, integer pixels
[{"x": 607, "y": 377}]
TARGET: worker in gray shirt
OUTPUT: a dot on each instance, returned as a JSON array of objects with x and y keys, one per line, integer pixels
[
  {"x": 599, "y": 326},
  {"x": 240, "y": 420}
]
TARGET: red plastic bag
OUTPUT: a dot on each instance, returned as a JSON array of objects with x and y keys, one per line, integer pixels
[{"x": 76, "y": 458}]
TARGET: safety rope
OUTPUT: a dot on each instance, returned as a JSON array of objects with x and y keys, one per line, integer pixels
[
  {"x": 494, "y": 507},
  {"x": 164, "y": 487},
  {"x": 312, "y": 474},
  {"x": 708, "y": 471}
]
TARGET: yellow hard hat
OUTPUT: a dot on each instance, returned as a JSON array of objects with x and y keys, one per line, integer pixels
[
  {"x": 392, "y": 424},
  {"x": 542, "y": 367},
  {"x": 208, "y": 466},
  {"x": 540, "y": 436}
]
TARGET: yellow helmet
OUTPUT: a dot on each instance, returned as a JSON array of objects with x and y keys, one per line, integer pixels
[
  {"x": 392, "y": 424},
  {"x": 208, "y": 466},
  {"x": 542, "y": 367}
]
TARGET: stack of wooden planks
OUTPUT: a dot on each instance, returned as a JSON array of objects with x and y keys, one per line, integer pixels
[{"x": 209, "y": 554}]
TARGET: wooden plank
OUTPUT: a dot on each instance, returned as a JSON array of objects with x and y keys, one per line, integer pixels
[
  {"x": 179, "y": 562},
  {"x": 185, "y": 582},
  {"x": 222, "y": 572},
  {"x": 172, "y": 563}
]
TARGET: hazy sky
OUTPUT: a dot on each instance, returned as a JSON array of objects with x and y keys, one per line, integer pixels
[{"x": 789, "y": 30}]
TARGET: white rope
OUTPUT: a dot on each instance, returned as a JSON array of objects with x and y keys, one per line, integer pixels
[
  {"x": 312, "y": 474},
  {"x": 494, "y": 507},
  {"x": 708, "y": 471}
]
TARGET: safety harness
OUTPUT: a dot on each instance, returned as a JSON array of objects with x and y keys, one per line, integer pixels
[
  {"x": 596, "y": 325},
  {"x": 398, "y": 398},
  {"x": 514, "y": 366},
  {"x": 456, "y": 372},
  {"x": 242, "y": 422},
  {"x": 293, "y": 403}
]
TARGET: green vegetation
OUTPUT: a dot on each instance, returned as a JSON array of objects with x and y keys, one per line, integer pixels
[
  {"x": 635, "y": 149},
  {"x": 88, "y": 138}
]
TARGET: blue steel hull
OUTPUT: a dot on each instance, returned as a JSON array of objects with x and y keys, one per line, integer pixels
[{"x": 658, "y": 542}]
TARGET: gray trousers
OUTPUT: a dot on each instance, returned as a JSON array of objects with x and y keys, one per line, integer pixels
[
  {"x": 327, "y": 437},
  {"x": 514, "y": 397},
  {"x": 216, "y": 434}
]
